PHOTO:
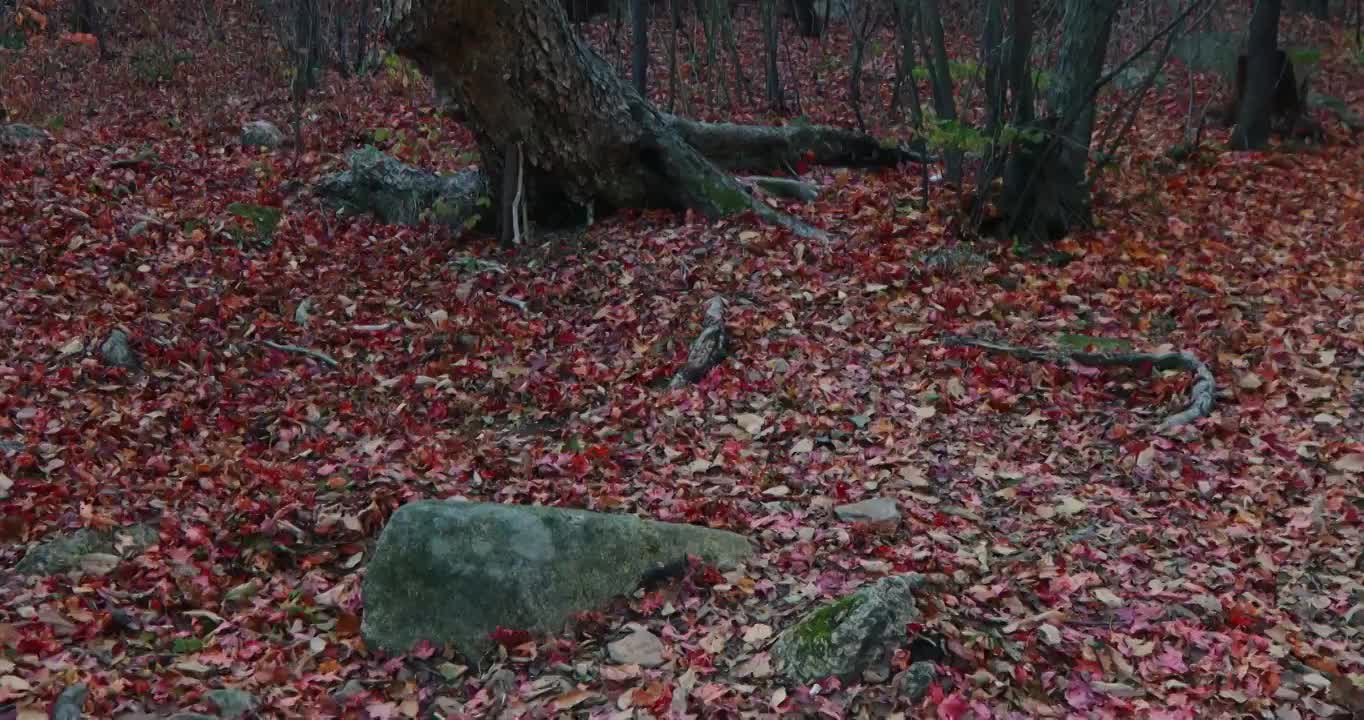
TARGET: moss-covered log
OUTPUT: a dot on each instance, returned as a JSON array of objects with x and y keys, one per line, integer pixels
[{"x": 761, "y": 148}]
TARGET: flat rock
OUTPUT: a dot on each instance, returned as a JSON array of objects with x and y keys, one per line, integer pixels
[
  {"x": 640, "y": 647},
  {"x": 399, "y": 194},
  {"x": 881, "y": 513},
  {"x": 18, "y": 134},
  {"x": 232, "y": 703},
  {"x": 115, "y": 351},
  {"x": 65, "y": 551},
  {"x": 452, "y": 572},
  {"x": 848, "y": 636}
]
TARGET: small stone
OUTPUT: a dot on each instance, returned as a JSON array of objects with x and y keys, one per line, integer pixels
[
  {"x": 68, "y": 704},
  {"x": 914, "y": 681},
  {"x": 232, "y": 703},
  {"x": 116, "y": 352},
  {"x": 640, "y": 647},
  {"x": 846, "y": 637},
  {"x": 351, "y": 689},
  {"x": 882, "y": 514},
  {"x": 262, "y": 133}
]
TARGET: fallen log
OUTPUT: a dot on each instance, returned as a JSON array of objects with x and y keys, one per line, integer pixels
[
  {"x": 786, "y": 188},
  {"x": 1200, "y": 395},
  {"x": 763, "y": 148},
  {"x": 709, "y": 347}
]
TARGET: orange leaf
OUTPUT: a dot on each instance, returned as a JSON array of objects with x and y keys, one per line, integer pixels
[
  {"x": 85, "y": 39},
  {"x": 37, "y": 17}
]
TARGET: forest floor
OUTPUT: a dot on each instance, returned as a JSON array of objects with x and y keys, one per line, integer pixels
[{"x": 1082, "y": 564}]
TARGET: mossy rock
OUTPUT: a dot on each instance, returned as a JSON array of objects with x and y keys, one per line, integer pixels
[
  {"x": 395, "y": 193},
  {"x": 850, "y": 635},
  {"x": 452, "y": 572},
  {"x": 63, "y": 551}
]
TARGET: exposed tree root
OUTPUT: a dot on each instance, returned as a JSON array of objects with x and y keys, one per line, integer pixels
[
  {"x": 307, "y": 352},
  {"x": 1200, "y": 395},
  {"x": 708, "y": 349}
]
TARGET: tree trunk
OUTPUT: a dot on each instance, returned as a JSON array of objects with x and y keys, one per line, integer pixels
[
  {"x": 770, "y": 46},
  {"x": 639, "y": 45},
  {"x": 1046, "y": 193},
  {"x": 807, "y": 21},
  {"x": 1262, "y": 69},
  {"x": 522, "y": 76},
  {"x": 939, "y": 70},
  {"x": 588, "y": 140},
  {"x": 1020, "y": 60}
]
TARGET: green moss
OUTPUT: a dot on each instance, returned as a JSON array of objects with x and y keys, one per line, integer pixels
[
  {"x": 725, "y": 195},
  {"x": 815, "y": 632}
]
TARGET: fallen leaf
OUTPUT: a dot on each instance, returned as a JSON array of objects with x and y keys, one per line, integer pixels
[
  {"x": 1106, "y": 596},
  {"x": 1351, "y": 463},
  {"x": 751, "y": 424},
  {"x": 1070, "y": 505},
  {"x": 757, "y": 633}
]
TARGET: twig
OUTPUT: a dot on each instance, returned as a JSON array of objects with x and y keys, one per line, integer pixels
[
  {"x": 309, "y": 352},
  {"x": 709, "y": 348},
  {"x": 515, "y": 302},
  {"x": 1200, "y": 395}
]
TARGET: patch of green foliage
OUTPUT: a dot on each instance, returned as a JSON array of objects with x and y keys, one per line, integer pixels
[
  {"x": 957, "y": 135},
  {"x": 12, "y": 40},
  {"x": 185, "y": 645},
  {"x": 401, "y": 70},
  {"x": 263, "y": 220},
  {"x": 816, "y": 631},
  {"x": 1082, "y": 343},
  {"x": 1304, "y": 56},
  {"x": 155, "y": 63}
]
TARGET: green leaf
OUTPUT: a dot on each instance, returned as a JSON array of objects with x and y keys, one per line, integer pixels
[{"x": 187, "y": 645}]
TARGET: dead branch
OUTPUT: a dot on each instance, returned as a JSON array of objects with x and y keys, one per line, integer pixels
[
  {"x": 1200, "y": 395},
  {"x": 708, "y": 349},
  {"x": 766, "y": 147},
  {"x": 308, "y": 352}
]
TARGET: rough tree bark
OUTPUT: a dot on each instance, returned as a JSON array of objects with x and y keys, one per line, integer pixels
[
  {"x": 639, "y": 45},
  {"x": 1046, "y": 192},
  {"x": 589, "y": 140},
  {"x": 1262, "y": 71},
  {"x": 807, "y": 22}
]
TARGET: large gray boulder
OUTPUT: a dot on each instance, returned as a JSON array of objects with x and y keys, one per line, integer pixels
[
  {"x": 261, "y": 133},
  {"x": 850, "y": 635},
  {"x": 399, "y": 194},
  {"x": 453, "y": 572}
]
